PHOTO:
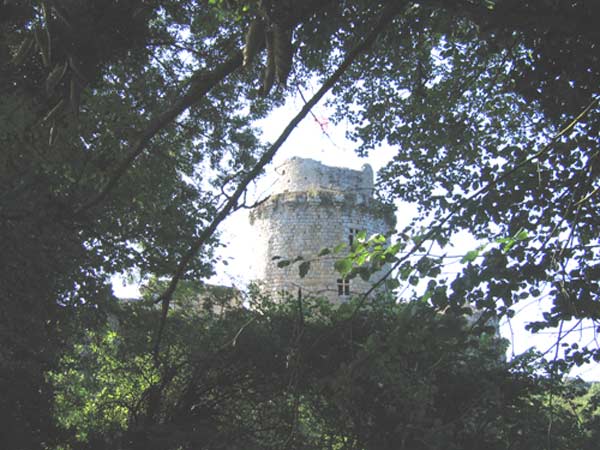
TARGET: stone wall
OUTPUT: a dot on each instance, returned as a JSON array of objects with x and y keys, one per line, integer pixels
[{"x": 314, "y": 206}]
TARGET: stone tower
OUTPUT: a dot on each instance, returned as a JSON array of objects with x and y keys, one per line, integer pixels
[{"x": 312, "y": 207}]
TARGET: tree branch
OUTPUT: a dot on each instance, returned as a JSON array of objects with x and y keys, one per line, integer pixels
[
  {"x": 434, "y": 230},
  {"x": 200, "y": 85}
]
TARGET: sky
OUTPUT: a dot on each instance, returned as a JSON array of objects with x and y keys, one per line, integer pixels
[{"x": 318, "y": 139}]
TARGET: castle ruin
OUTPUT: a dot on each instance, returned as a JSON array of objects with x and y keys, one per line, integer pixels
[{"x": 312, "y": 207}]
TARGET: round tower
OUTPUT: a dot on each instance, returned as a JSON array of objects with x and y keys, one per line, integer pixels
[{"x": 313, "y": 207}]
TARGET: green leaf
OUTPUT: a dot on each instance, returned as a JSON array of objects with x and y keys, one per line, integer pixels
[
  {"x": 426, "y": 296},
  {"x": 405, "y": 272},
  {"x": 392, "y": 284},
  {"x": 338, "y": 248},
  {"x": 510, "y": 244},
  {"x": 418, "y": 239},
  {"x": 361, "y": 236},
  {"x": 393, "y": 249},
  {"x": 470, "y": 256},
  {"x": 324, "y": 251},
  {"x": 284, "y": 263},
  {"x": 343, "y": 266},
  {"x": 521, "y": 235},
  {"x": 360, "y": 260},
  {"x": 377, "y": 239},
  {"x": 364, "y": 273},
  {"x": 304, "y": 268}
]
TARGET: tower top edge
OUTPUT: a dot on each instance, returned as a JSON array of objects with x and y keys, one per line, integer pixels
[{"x": 305, "y": 174}]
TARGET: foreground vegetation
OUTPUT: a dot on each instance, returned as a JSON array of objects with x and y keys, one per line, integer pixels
[
  {"x": 308, "y": 376},
  {"x": 128, "y": 134}
]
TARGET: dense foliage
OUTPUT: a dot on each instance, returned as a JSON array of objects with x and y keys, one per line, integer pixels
[
  {"x": 127, "y": 136},
  {"x": 301, "y": 375},
  {"x": 513, "y": 151}
]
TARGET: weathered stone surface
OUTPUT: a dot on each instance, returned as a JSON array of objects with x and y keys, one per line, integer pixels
[{"x": 314, "y": 207}]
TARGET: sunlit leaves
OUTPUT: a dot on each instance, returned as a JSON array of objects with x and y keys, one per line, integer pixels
[
  {"x": 101, "y": 396},
  {"x": 343, "y": 266},
  {"x": 507, "y": 243}
]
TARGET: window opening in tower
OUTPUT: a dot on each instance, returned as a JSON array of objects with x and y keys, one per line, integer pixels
[{"x": 343, "y": 286}]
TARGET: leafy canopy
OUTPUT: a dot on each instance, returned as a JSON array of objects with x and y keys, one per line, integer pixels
[{"x": 127, "y": 135}]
